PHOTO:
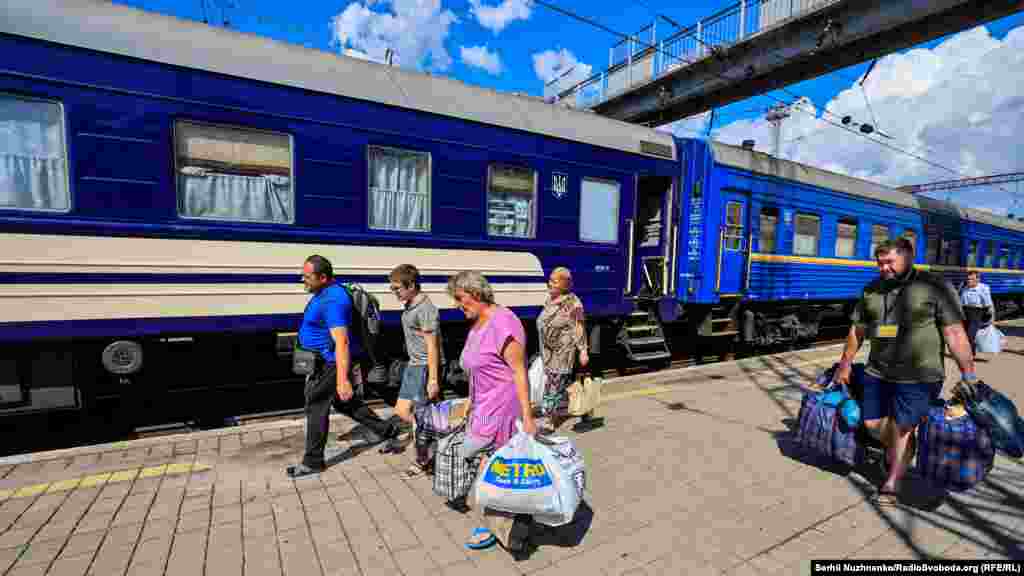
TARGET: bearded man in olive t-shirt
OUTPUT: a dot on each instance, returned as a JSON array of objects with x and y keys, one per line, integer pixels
[{"x": 910, "y": 316}]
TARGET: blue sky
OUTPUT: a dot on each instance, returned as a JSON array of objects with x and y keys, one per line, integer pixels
[
  {"x": 958, "y": 100},
  {"x": 517, "y": 42}
]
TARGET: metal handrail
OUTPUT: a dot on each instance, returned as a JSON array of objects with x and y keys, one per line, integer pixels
[{"x": 736, "y": 23}]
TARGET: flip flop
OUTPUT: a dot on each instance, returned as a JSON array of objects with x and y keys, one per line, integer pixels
[
  {"x": 486, "y": 543},
  {"x": 886, "y": 497},
  {"x": 414, "y": 471}
]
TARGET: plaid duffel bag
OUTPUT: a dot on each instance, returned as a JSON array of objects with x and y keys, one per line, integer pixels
[
  {"x": 953, "y": 451},
  {"x": 453, "y": 474},
  {"x": 822, "y": 432},
  {"x": 433, "y": 421}
]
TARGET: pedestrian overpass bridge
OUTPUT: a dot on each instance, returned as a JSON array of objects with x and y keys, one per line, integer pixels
[{"x": 756, "y": 46}]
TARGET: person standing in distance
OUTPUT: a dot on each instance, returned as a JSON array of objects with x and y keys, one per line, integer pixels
[
  {"x": 976, "y": 299},
  {"x": 325, "y": 330},
  {"x": 910, "y": 315}
]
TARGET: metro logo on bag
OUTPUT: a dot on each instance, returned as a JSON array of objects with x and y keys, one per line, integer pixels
[{"x": 517, "y": 474}]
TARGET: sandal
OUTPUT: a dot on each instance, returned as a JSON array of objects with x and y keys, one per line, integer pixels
[
  {"x": 414, "y": 471},
  {"x": 886, "y": 497},
  {"x": 481, "y": 544}
]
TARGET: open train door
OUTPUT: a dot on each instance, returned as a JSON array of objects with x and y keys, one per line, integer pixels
[
  {"x": 650, "y": 269},
  {"x": 652, "y": 246}
]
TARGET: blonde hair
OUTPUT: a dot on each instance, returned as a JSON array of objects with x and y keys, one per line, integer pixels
[
  {"x": 564, "y": 272},
  {"x": 472, "y": 283}
]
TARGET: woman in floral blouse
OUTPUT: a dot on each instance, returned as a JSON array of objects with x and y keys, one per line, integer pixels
[{"x": 562, "y": 336}]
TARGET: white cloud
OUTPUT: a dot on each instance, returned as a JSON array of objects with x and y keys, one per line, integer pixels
[
  {"x": 495, "y": 18},
  {"x": 959, "y": 105},
  {"x": 415, "y": 29},
  {"x": 481, "y": 57},
  {"x": 562, "y": 64}
]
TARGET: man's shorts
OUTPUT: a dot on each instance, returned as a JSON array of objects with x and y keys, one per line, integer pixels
[
  {"x": 414, "y": 384},
  {"x": 906, "y": 403}
]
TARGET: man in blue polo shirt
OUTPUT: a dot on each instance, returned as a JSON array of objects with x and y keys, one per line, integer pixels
[{"x": 338, "y": 377}]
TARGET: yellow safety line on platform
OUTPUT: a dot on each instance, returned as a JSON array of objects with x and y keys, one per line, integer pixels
[{"x": 101, "y": 479}]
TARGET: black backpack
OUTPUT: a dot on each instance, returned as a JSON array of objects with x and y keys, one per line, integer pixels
[{"x": 366, "y": 316}]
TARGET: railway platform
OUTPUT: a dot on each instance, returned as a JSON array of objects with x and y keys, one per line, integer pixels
[{"x": 692, "y": 472}]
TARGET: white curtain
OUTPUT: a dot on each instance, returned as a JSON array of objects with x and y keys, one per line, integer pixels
[
  {"x": 399, "y": 190},
  {"x": 32, "y": 164},
  {"x": 207, "y": 194}
]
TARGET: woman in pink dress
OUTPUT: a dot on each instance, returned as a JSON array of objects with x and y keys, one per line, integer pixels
[{"x": 499, "y": 395}]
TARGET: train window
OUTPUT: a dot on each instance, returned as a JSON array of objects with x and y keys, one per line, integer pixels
[
  {"x": 846, "y": 239},
  {"x": 233, "y": 174},
  {"x": 806, "y": 232},
  {"x": 972, "y": 253},
  {"x": 951, "y": 252},
  {"x": 511, "y": 199},
  {"x": 769, "y": 224},
  {"x": 1004, "y": 256},
  {"x": 733, "y": 226},
  {"x": 909, "y": 235},
  {"x": 989, "y": 256},
  {"x": 879, "y": 234},
  {"x": 932, "y": 252},
  {"x": 33, "y": 156},
  {"x": 599, "y": 211},
  {"x": 399, "y": 185}
]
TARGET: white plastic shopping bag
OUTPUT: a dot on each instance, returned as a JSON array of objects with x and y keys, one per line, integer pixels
[
  {"x": 536, "y": 377},
  {"x": 989, "y": 340},
  {"x": 542, "y": 477}
]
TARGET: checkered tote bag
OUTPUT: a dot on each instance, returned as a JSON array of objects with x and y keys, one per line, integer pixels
[
  {"x": 821, "y": 431},
  {"x": 433, "y": 422},
  {"x": 453, "y": 474},
  {"x": 954, "y": 453}
]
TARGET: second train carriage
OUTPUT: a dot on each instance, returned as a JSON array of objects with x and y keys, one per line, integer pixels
[
  {"x": 773, "y": 248},
  {"x": 162, "y": 181}
]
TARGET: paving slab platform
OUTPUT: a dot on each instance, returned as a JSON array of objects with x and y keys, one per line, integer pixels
[{"x": 693, "y": 472}]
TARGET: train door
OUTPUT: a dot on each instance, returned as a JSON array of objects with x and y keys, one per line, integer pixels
[
  {"x": 732, "y": 244},
  {"x": 651, "y": 241}
]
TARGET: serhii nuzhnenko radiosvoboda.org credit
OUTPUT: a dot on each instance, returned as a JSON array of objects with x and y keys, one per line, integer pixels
[{"x": 842, "y": 567}]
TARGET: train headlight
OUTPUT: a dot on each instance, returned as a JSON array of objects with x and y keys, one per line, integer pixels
[{"x": 122, "y": 357}]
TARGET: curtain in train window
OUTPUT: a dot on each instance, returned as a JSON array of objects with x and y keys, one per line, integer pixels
[
  {"x": 599, "y": 211},
  {"x": 511, "y": 198},
  {"x": 399, "y": 189},
  {"x": 846, "y": 239},
  {"x": 911, "y": 236},
  {"x": 1004, "y": 256},
  {"x": 233, "y": 174},
  {"x": 768, "y": 223},
  {"x": 805, "y": 235},
  {"x": 879, "y": 234},
  {"x": 33, "y": 165},
  {"x": 989, "y": 256}
]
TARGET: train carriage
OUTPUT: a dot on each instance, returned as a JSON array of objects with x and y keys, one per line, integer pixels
[
  {"x": 162, "y": 181},
  {"x": 777, "y": 248}
]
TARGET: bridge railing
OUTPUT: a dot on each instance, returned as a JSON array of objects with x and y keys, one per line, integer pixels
[{"x": 644, "y": 57}]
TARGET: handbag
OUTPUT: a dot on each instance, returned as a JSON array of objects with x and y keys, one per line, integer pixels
[
  {"x": 584, "y": 395},
  {"x": 304, "y": 361}
]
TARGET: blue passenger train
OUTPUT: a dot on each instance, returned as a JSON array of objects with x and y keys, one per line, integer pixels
[{"x": 162, "y": 181}]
